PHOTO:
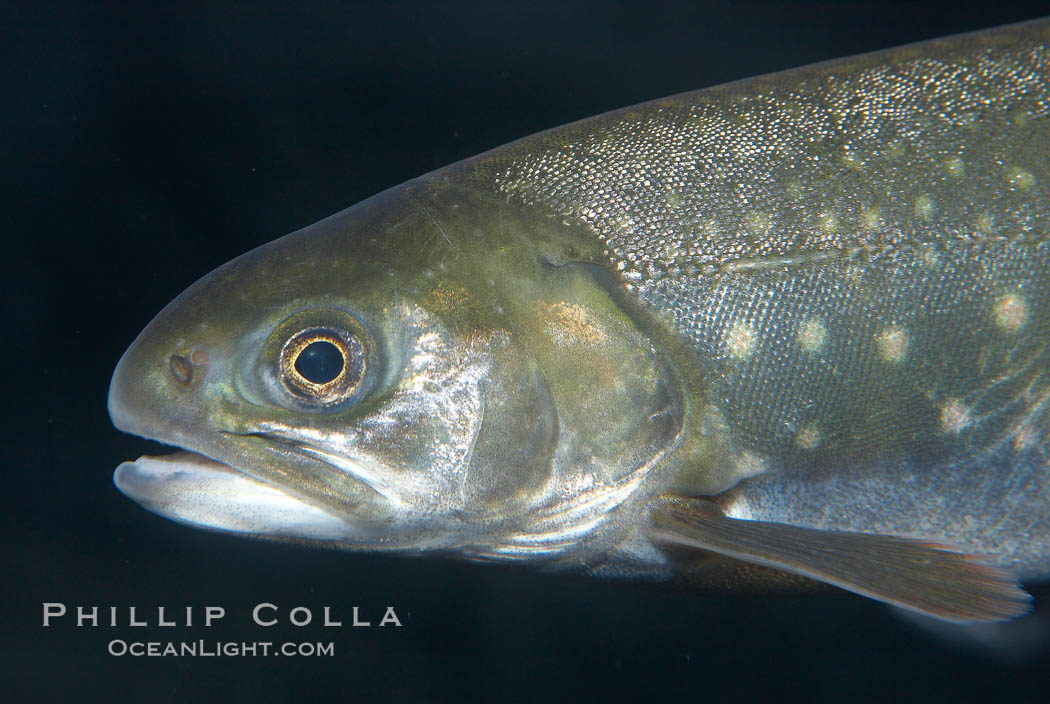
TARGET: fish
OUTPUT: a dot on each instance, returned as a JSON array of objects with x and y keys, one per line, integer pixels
[{"x": 780, "y": 335}]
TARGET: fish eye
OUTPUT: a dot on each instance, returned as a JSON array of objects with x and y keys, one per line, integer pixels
[
  {"x": 321, "y": 365},
  {"x": 320, "y": 362}
]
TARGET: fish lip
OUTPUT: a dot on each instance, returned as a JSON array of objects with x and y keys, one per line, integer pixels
[
  {"x": 127, "y": 474},
  {"x": 274, "y": 442},
  {"x": 146, "y": 479},
  {"x": 181, "y": 453},
  {"x": 191, "y": 450},
  {"x": 202, "y": 454},
  {"x": 345, "y": 465},
  {"x": 192, "y": 489},
  {"x": 218, "y": 447}
]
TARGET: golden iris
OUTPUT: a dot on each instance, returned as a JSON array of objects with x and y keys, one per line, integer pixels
[{"x": 321, "y": 365}]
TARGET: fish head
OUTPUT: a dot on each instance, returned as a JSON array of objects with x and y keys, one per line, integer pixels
[{"x": 400, "y": 376}]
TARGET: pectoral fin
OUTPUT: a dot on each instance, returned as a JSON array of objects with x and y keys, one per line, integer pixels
[{"x": 923, "y": 576}]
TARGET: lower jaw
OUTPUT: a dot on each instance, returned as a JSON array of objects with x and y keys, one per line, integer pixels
[{"x": 194, "y": 490}]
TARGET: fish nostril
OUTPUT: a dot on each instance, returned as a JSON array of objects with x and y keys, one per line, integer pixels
[
  {"x": 181, "y": 369},
  {"x": 199, "y": 357}
]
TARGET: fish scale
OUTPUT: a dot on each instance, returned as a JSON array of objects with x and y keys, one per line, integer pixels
[
  {"x": 894, "y": 200},
  {"x": 818, "y": 162}
]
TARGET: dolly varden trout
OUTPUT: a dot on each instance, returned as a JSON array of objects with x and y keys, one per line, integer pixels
[{"x": 790, "y": 329}]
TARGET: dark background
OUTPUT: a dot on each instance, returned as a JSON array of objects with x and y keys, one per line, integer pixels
[{"x": 145, "y": 144}]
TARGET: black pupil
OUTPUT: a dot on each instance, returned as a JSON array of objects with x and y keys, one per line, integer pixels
[{"x": 319, "y": 362}]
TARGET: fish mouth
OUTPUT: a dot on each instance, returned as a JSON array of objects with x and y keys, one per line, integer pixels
[{"x": 196, "y": 490}]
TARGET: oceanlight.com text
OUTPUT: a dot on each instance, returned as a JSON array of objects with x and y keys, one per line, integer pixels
[{"x": 212, "y": 649}]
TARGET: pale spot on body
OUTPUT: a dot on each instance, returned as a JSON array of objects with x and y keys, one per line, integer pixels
[
  {"x": 740, "y": 340},
  {"x": 808, "y": 437},
  {"x": 851, "y": 161},
  {"x": 812, "y": 335},
  {"x": 924, "y": 207},
  {"x": 985, "y": 223},
  {"x": 930, "y": 258},
  {"x": 854, "y": 273},
  {"x": 871, "y": 218},
  {"x": 760, "y": 222},
  {"x": 955, "y": 167},
  {"x": 829, "y": 222},
  {"x": 1010, "y": 313},
  {"x": 955, "y": 416},
  {"x": 749, "y": 464},
  {"x": 1022, "y": 179},
  {"x": 892, "y": 344}
]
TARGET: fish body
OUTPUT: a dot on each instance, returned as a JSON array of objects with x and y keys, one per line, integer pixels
[{"x": 791, "y": 327}]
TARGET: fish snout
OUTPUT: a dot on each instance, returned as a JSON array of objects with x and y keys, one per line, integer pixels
[{"x": 149, "y": 378}]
